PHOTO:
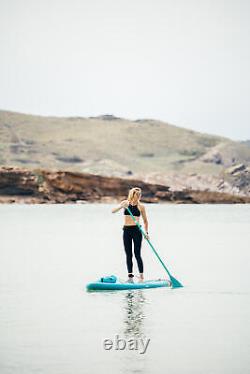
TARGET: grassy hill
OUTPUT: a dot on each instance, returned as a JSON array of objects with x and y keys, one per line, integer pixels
[{"x": 112, "y": 146}]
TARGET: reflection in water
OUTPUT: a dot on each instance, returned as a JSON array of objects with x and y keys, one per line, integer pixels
[{"x": 134, "y": 317}]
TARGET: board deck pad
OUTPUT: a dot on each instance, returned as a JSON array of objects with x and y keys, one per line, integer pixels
[{"x": 122, "y": 285}]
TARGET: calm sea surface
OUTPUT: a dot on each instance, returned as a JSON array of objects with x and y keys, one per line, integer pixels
[{"x": 49, "y": 324}]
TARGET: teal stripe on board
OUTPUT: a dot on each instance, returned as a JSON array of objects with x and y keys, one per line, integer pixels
[{"x": 96, "y": 286}]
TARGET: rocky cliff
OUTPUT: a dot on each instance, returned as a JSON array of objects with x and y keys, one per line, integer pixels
[
  {"x": 146, "y": 150},
  {"x": 42, "y": 186}
]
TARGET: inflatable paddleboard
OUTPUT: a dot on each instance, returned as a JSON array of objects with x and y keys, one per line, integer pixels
[{"x": 119, "y": 285}]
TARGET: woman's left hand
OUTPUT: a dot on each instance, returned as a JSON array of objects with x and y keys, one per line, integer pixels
[{"x": 147, "y": 236}]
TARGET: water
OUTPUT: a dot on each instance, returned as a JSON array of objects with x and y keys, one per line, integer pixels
[{"x": 50, "y": 324}]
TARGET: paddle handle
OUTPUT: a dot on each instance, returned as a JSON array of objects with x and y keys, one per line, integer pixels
[{"x": 151, "y": 245}]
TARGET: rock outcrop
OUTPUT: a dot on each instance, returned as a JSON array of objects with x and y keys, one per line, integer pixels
[
  {"x": 239, "y": 177},
  {"x": 43, "y": 186},
  {"x": 18, "y": 182}
]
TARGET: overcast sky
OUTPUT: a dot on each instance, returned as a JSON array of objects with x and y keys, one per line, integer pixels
[{"x": 186, "y": 62}]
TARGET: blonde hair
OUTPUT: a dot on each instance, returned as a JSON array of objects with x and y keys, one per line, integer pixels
[{"x": 132, "y": 192}]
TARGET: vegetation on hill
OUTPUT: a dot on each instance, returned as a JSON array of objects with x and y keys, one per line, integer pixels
[{"x": 111, "y": 146}]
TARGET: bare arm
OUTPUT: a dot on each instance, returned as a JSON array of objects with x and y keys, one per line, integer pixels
[
  {"x": 144, "y": 216},
  {"x": 123, "y": 204}
]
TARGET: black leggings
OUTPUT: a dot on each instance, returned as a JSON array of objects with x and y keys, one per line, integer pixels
[{"x": 132, "y": 233}]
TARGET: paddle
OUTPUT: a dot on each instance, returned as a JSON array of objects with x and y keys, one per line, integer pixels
[{"x": 175, "y": 282}]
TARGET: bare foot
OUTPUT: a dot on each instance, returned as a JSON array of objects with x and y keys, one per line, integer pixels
[
  {"x": 130, "y": 280},
  {"x": 141, "y": 278}
]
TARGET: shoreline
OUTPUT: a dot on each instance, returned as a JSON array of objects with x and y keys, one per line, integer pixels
[{"x": 39, "y": 186}]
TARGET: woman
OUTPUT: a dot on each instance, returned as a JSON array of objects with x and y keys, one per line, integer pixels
[{"x": 131, "y": 232}]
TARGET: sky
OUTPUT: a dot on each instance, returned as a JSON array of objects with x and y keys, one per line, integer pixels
[{"x": 185, "y": 62}]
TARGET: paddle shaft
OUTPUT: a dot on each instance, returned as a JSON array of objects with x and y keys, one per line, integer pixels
[{"x": 151, "y": 245}]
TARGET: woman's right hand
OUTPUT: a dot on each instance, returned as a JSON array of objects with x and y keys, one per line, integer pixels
[{"x": 124, "y": 204}]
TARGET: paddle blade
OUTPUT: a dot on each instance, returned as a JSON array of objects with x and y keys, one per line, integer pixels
[{"x": 175, "y": 282}]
